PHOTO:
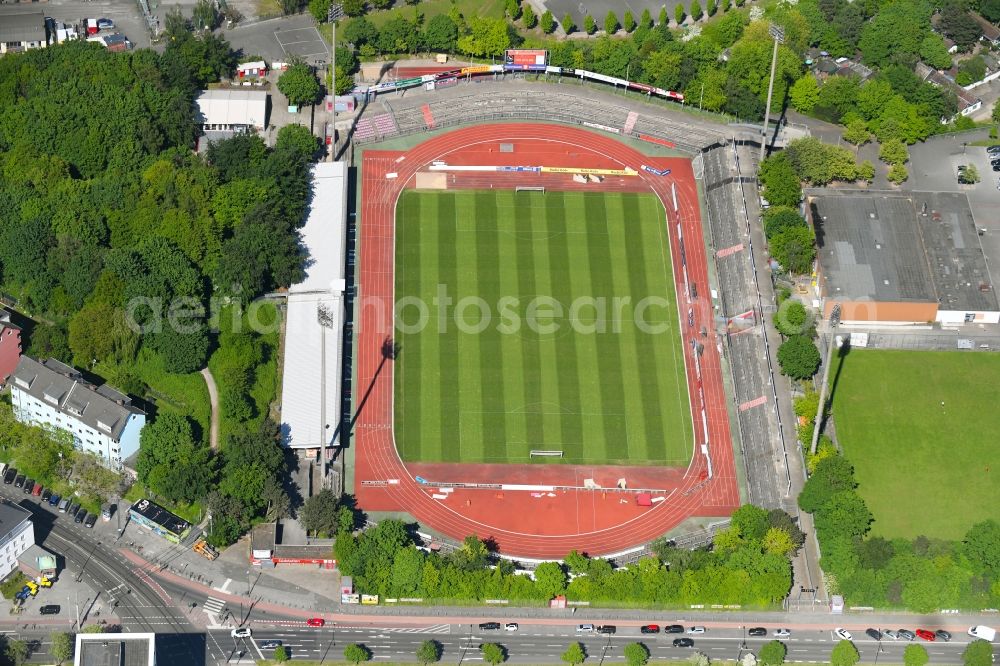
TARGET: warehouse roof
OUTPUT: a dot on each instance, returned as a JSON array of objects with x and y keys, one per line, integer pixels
[
  {"x": 21, "y": 23},
  {"x": 232, "y": 107}
]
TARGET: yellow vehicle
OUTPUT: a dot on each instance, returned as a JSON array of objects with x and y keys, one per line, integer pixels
[
  {"x": 44, "y": 582},
  {"x": 32, "y": 587},
  {"x": 205, "y": 550}
]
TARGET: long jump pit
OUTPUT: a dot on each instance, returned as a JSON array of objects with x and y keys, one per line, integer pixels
[{"x": 543, "y": 507}]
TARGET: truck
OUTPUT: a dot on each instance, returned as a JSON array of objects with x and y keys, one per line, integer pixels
[
  {"x": 980, "y": 631},
  {"x": 205, "y": 550}
]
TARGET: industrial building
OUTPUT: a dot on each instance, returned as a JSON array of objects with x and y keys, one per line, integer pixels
[{"x": 901, "y": 259}]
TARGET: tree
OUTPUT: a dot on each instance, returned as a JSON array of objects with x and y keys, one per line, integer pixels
[
  {"x": 17, "y": 651},
  {"x": 101, "y": 332},
  {"x": 844, "y": 654},
  {"x": 915, "y": 655},
  {"x": 574, "y": 654},
  {"x": 320, "y": 513},
  {"x": 778, "y": 542},
  {"x": 856, "y": 132},
  {"x": 791, "y": 318},
  {"x": 550, "y": 579},
  {"x": 360, "y": 31},
  {"x": 356, "y": 653},
  {"x": 441, "y": 33},
  {"x": 529, "y": 17},
  {"x": 299, "y": 139},
  {"x": 805, "y": 93},
  {"x": 589, "y": 24},
  {"x": 548, "y": 22},
  {"x": 487, "y": 37},
  {"x": 898, "y": 173},
  {"x": 982, "y": 545},
  {"x": 831, "y": 476},
  {"x": 696, "y": 12},
  {"x": 429, "y": 652},
  {"x": 299, "y": 85},
  {"x": 990, "y": 9},
  {"x": 711, "y": 8},
  {"x": 978, "y": 653},
  {"x": 679, "y": 14},
  {"x": 512, "y": 8},
  {"x": 662, "y": 18},
  {"x": 636, "y": 654},
  {"x": 893, "y": 152},
  {"x": 934, "y": 52},
  {"x": 798, "y": 357},
  {"x": 781, "y": 183},
  {"x": 611, "y": 23},
  {"x": 971, "y": 174},
  {"x": 844, "y": 515},
  {"x": 794, "y": 248},
  {"x": 700, "y": 658},
  {"x": 567, "y": 23},
  {"x": 281, "y": 654},
  {"x": 493, "y": 653},
  {"x": 62, "y": 646},
  {"x": 772, "y": 653},
  {"x": 866, "y": 171},
  {"x": 182, "y": 351},
  {"x": 628, "y": 21},
  {"x": 959, "y": 25},
  {"x": 205, "y": 16}
]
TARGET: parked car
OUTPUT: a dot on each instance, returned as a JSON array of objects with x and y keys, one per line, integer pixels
[
  {"x": 29, "y": 486},
  {"x": 72, "y": 508},
  {"x": 673, "y": 629},
  {"x": 510, "y": 626},
  {"x": 489, "y": 626},
  {"x": 683, "y": 642},
  {"x": 51, "y": 609},
  {"x": 241, "y": 632},
  {"x": 584, "y": 628},
  {"x": 874, "y": 634},
  {"x": 943, "y": 635},
  {"x": 90, "y": 520},
  {"x": 926, "y": 634},
  {"x": 19, "y": 481},
  {"x": 270, "y": 644},
  {"x": 650, "y": 629},
  {"x": 80, "y": 515},
  {"x": 315, "y": 622},
  {"x": 62, "y": 505},
  {"x": 842, "y": 634},
  {"x": 46, "y": 495},
  {"x": 696, "y": 630},
  {"x": 105, "y": 24},
  {"x": 757, "y": 631},
  {"x": 54, "y": 500},
  {"x": 9, "y": 476},
  {"x": 606, "y": 629},
  {"x": 37, "y": 490},
  {"x": 782, "y": 633},
  {"x": 889, "y": 633},
  {"x": 906, "y": 634}
]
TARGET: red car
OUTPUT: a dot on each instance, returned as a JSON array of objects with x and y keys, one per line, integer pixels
[
  {"x": 926, "y": 635},
  {"x": 315, "y": 622}
]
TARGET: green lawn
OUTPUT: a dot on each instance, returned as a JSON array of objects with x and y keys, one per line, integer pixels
[
  {"x": 431, "y": 8},
  {"x": 922, "y": 467},
  {"x": 617, "y": 396}
]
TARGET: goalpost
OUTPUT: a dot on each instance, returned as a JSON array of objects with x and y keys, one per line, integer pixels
[
  {"x": 521, "y": 188},
  {"x": 553, "y": 454}
]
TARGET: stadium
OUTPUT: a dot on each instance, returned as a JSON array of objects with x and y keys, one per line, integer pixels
[{"x": 497, "y": 392}]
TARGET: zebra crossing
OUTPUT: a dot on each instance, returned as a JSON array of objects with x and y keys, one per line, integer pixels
[
  {"x": 213, "y": 606},
  {"x": 433, "y": 629}
]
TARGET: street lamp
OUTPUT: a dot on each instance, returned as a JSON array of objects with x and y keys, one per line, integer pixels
[
  {"x": 778, "y": 34},
  {"x": 335, "y": 13},
  {"x": 834, "y": 322}
]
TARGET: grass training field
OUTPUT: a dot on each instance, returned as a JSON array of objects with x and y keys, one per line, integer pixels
[
  {"x": 922, "y": 467},
  {"x": 493, "y": 391}
]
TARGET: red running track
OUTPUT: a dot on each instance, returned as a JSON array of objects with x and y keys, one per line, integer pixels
[{"x": 596, "y": 522}]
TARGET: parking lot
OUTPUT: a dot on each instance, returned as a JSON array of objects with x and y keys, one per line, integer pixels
[{"x": 934, "y": 167}]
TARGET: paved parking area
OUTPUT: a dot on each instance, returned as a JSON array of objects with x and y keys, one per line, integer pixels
[
  {"x": 305, "y": 43},
  {"x": 934, "y": 168}
]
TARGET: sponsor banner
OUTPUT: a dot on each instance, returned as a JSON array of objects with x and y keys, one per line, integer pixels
[
  {"x": 499, "y": 602},
  {"x": 655, "y": 171},
  {"x": 529, "y": 169},
  {"x": 525, "y": 68},
  {"x": 661, "y": 142},
  {"x": 477, "y": 69},
  {"x": 613, "y": 130},
  {"x": 369, "y": 600},
  {"x": 350, "y": 598},
  {"x": 411, "y": 600},
  {"x": 526, "y": 57},
  {"x": 641, "y": 86},
  {"x": 597, "y": 172}
]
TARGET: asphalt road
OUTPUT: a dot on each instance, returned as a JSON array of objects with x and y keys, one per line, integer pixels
[{"x": 545, "y": 644}]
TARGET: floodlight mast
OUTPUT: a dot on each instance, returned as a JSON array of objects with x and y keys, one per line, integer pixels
[{"x": 834, "y": 322}]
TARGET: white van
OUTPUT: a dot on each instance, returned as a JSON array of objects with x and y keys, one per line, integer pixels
[
  {"x": 986, "y": 633},
  {"x": 584, "y": 628}
]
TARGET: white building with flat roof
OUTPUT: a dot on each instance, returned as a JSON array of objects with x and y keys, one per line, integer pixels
[
  {"x": 17, "y": 534},
  {"x": 314, "y": 321},
  {"x": 232, "y": 110}
]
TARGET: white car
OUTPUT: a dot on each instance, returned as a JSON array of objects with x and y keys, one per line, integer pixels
[
  {"x": 889, "y": 633},
  {"x": 510, "y": 626},
  {"x": 695, "y": 630},
  {"x": 782, "y": 633},
  {"x": 241, "y": 632},
  {"x": 842, "y": 634}
]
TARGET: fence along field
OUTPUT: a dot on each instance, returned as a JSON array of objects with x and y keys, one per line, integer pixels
[{"x": 470, "y": 389}]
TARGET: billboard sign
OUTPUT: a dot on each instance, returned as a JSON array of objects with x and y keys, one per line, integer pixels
[
  {"x": 526, "y": 58},
  {"x": 350, "y": 598},
  {"x": 369, "y": 599}
]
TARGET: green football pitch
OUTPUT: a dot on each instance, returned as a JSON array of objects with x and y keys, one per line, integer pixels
[
  {"x": 521, "y": 328},
  {"x": 921, "y": 430}
]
